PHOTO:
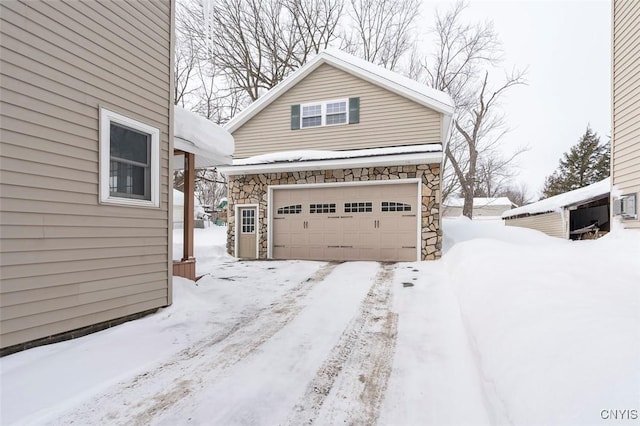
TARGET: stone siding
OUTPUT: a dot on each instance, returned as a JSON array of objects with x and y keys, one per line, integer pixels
[{"x": 253, "y": 189}]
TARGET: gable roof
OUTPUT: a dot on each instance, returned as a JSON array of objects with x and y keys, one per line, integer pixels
[{"x": 390, "y": 80}]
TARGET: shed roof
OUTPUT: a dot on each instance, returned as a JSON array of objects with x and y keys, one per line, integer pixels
[
  {"x": 390, "y": 80},
  {"x": 560, "y": 201}
]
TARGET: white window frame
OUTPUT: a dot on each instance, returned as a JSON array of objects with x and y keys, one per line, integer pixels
[
  {"x": 106, "y": 118},
  {"x": 323, "y": 113}
]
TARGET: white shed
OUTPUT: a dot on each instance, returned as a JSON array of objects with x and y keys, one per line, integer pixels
[{"x": 567, "y": 215}]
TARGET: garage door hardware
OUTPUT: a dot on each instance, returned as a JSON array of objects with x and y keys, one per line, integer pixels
[
  {"x": 376, "y": 224},
  {"x": 409, "y": 247},
  {"x": 340, "y": 246},
  {"x": 345, "y": 217},
  {"x": 305, "y": 225},
  {"x": 408, "y": 215}
]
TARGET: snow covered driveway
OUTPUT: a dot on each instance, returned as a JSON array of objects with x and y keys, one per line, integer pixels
[{"x": 478, "y": 338}]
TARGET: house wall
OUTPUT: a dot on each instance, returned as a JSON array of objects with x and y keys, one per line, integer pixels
[
  {"x": 67, "y": 261},
  {"x": 386, "y": 119},
  {"x": 552, "y": 224},
  {"x": 253, "y": 189},
  {"x": 625, "y": 160}
]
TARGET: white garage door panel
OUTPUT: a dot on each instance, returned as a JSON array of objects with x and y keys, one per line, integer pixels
[{"x": 351, "y": 222}]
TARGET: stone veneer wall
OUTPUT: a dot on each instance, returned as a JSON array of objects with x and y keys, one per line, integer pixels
[{"x": 253, "y": 189}]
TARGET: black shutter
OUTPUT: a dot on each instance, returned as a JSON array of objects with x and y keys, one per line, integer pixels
[
  {"x": 295, "y": 117},
  {"x": 354, "y": 110}
]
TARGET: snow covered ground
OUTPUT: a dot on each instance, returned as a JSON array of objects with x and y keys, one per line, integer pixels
[{"x": 510, "y": 327}]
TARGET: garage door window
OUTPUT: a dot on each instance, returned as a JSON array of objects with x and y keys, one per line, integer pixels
[
  {"x": 392, "y": 206},
  {"x": 295, "y": 209},
  {"x": 359, "y": 207},
  {"x": 322, "y": 208},
  {"x": 248, "y": 221}
]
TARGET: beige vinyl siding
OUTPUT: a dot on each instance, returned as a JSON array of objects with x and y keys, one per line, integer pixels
[
  {"x": 625, "y": 161},
  {"x": 551, "y": 224},
  {"x": 67, "y": 261},
  {"x": 386, "y": 119}
]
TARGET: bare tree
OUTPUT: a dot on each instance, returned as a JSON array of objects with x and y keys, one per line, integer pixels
[
  {"x": 380, "y": 31},
  {"x": 517, "y": 193},
  {"x": 256, "y": 44},
  {"x": 460, "y": 67}
]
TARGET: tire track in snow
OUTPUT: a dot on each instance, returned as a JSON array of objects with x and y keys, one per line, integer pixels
[
  {"x": 193, "y": 367},
  {"x": 350, "y": 385}
]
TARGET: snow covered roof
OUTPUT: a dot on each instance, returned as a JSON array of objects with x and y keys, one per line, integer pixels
[
  {"x": 375, "y": 74},
  {"x": 320, "y": 160},
  {"x": 560, "y": 201},
  {"x": 480, "y": 202},
  {"x": 211, "y": 144},
  {"x": 308, "y": 155}
]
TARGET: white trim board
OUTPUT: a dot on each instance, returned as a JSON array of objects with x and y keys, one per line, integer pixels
[
  {"x": 271, "y": 188},
  {"x": 343, "y": 163}
]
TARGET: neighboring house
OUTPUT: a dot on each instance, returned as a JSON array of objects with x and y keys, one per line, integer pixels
[
  {"x": 340, "y": 161},
  {"x": 625, "y": 138},
  {"x": 567, "y": 215},
  {"x": 85, "y": 180},
  {"x": 482, "y": 207}
]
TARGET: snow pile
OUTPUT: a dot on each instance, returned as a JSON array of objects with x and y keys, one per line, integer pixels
[
  {"x": 195, "y": 134},
  {"x": 557, "y": 202},
  {"x": 554, "y": 326},
  {"x": 310, "y": 155}
]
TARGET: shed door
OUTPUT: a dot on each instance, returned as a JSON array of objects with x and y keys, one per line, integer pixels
[
  {"x": 247, "y": 217},
  {"x": 370, "y": 222}
]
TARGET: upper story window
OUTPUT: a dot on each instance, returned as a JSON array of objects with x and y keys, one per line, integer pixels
[
  {"x": 129, "y": 161},
  {"x": 325, "y": 113}
]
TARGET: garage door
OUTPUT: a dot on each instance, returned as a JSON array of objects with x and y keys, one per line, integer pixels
[{"x": 351, "y": 222}]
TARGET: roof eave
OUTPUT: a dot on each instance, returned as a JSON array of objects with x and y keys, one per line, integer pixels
[{"x": 332, "y": 164}]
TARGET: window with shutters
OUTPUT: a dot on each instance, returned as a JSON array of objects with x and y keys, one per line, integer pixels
[
  {"x": 129, "y": 161},
  {"x": 325, "y": 113}
]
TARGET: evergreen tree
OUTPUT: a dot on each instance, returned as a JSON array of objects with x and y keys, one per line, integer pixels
[{"x": 586, "y": 162}]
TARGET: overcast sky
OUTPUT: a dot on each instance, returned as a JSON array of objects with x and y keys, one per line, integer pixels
[{"x": 566, "y": 46}]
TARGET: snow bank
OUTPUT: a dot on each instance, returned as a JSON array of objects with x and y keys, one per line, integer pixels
[
  {"x": 557, "y": 337},
  {"x": 309, "y": 155},
  {"x": 557, "y": 202},
  {"x": 202, "y": 137}
]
